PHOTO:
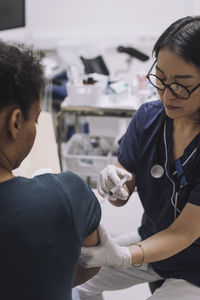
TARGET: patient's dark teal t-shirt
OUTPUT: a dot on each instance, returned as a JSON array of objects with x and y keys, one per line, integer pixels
[{"x": 42, "y": 224}]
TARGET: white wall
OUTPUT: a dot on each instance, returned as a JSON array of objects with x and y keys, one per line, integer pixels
[
  {"x": 101, "y": 19},
  {"x": 94, "y": 25}
]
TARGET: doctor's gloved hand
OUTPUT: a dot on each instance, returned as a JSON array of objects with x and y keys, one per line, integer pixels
[
  {"x": 110, "y": 180},
  {"x": 107, "y": 253}
]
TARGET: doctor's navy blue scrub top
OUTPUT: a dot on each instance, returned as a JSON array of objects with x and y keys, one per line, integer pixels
[{"x": 148, "y": 142}]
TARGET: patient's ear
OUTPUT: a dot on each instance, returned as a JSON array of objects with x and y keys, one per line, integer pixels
[{"x": 15, "y": 122}]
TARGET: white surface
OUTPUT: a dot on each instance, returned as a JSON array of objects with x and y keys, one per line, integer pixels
[
  {"x": 129, "y": 102},
  {"x": 118, "y": 220}
]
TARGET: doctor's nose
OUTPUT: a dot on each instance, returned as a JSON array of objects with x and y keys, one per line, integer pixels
[{"x": 167, "y": 93}]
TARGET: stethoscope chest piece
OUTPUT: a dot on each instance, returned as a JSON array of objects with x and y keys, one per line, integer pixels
[{"x": 157, "y": 171}]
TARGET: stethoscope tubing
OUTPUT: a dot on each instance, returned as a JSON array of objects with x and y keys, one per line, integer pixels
[{"x": 157, "y": 171}]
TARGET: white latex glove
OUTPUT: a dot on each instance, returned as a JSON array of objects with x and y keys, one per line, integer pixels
[
  {"x": 111, "y": 177},
  {"x": 126, "y": 239},
  {"x": 107, "y": 253}
]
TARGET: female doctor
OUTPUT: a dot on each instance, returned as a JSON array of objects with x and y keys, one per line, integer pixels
[{"x": 161, "y": 149}]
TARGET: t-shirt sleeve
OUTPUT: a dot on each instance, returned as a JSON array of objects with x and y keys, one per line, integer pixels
[
  {"x": 129, "y": 143},
  {"x": 84, "y": 206}
]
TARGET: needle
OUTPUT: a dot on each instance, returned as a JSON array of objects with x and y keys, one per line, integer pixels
[{"x": 114, "y": 189}]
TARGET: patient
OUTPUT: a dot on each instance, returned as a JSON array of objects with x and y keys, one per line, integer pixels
[{"x": 44, "y": 220}]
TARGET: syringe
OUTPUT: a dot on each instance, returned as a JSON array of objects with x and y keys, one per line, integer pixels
[{"x": 113, "y": 190}]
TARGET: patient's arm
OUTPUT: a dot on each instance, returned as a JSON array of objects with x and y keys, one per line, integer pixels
[{"x": 82, "y": 274}]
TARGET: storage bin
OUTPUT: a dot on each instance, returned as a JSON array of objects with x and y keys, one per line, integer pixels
[
  {"x": 108, "y": 126},
  {"x": 84, "y": 95},
  {"x": 82, "y": 164}
]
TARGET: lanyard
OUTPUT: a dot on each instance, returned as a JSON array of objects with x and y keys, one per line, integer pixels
[
  {"x": 180, "y": 182},
  {"x": 181, "y": 174}
]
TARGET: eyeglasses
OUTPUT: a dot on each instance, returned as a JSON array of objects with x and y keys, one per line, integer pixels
[{"x": 177, "y": 89}]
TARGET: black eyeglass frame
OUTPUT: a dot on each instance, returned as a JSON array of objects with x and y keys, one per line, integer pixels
[{"x": 169, "y": 85}]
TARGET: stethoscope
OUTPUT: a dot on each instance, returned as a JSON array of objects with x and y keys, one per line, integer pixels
[{"x": 157, "y": 171}]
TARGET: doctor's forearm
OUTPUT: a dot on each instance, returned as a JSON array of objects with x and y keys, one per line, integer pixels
[{"x": 160, "y": 246}]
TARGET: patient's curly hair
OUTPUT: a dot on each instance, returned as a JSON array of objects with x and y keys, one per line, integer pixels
[{"x": 21, "y": 76}]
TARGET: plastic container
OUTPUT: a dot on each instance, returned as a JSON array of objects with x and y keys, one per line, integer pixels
[
  {"x": 85, "y": 165},
  {"x": 108, "y": 126},
  {"x": 84, "y": 95}
]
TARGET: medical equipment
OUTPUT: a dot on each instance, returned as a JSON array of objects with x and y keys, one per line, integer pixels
[
  {"x": 157, "y": 171},
  {"x": 95, "y": 65},
  {"x": 133, "y": 53},
  {"x": 114, "y": 189}
]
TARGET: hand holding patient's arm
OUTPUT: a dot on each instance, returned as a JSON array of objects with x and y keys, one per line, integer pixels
[
  {"x": 82, "y": 274},
  {"x": 106, "y": 253},
  {"x": 162, "y": 245}
]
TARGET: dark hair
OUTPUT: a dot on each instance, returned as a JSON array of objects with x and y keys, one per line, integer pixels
[
  {"x": 21, "y": 76},
  {"x": 183, "y": 38}
]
